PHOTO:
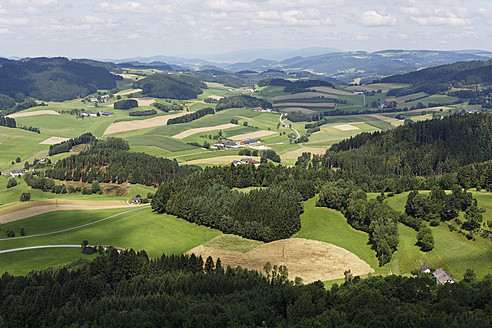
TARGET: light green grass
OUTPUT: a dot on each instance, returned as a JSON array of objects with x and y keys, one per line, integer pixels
[
  {"x": 233, "y": 243},
  {"x": 139, "y": 230},
  {"x": 163, "y": 142},
  {"x": 330, "y": 226}
]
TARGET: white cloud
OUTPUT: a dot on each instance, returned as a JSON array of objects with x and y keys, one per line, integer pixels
[
  {"x": 234, "y": 5},
  {"x": 14, "y": 21},
  {"x": 4, "y": 31},
  {"x": 135, "y": 36},
  {"x": 125, "y": 7},
  {"x": 2, "y": 10},
  {"x": 93, "y": 20},
  {"x": 451, "y": 20},
  {"x": 373, "y": 18},
  {"x": 34, "y": 3},
  {"x": 410, "y": 11},
  {"x": 467, "y": 35}
]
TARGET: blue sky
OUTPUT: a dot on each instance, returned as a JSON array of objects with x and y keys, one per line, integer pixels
[{"x": 122, "y": 29}]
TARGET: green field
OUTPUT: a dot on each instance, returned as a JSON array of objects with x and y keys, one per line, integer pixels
[
  {"x": 330, "y": 226},
  {"x": 142, "y": 229},
  {"x": 12, "y": 195}
]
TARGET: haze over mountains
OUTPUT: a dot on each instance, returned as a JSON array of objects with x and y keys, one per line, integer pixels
[{"x": 334, "y": 63}]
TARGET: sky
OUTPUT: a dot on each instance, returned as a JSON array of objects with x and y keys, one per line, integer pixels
[{"x": 125, "y": 29}]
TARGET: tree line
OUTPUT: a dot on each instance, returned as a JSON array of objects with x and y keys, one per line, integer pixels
[
  {"x": 191, "y": 116},
  {"x": 129, "y": 289},
  {"x": 242, "y": 101},
  {"x": 294, "y": 86},
  {"x": 65, "y": 146},
  {"x": 148, "y": 112},
  {"x": 372, "y": 216}
]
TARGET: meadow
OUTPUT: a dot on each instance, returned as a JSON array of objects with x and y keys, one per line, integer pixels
[{"x": 138, "y": 230}]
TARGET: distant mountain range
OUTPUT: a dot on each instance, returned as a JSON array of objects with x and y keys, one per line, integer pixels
[{"x": 343, "y": 66}]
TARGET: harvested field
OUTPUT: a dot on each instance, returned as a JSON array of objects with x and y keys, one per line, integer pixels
[
  {"x": 299, "y": 109},
  {"x": 191, "y": 132},
  {"x": 38, "y": 112},
  {"x": 140, "y": 124},
  {"x": 28, "y": 209},
  {"x": 346, "y": 127},
  {"x": 145, "y": 101},
  {"x": 396, "y": 100},
  {"x": 53, "y": 140},
  {"x": 307, "y": 95},
  {"x": 310, "y": 260},
  {"x": 333, "y": 91},
  {"x": 216, "y": 97},
  {"x": 298, "y": 152},
  {"x": 253, "y": 135},
  {"x": 384, "y": 87},
  {"x": 127, "y": 92},
  {"x": 220, "y": 160},
  {"x": 305, "y": 104}
]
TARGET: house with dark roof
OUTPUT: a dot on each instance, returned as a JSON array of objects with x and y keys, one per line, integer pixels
[
  {"x": 106, "y": 113},
  {"x": 424, "y": 269},
  {"x": 442, "y": 277},
  {"x": 16, "y": 173},
  {"x": 226, "y": 143},
  {"x": 249, "y": 142}
]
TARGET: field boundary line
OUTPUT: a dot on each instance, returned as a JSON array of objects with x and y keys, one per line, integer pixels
[
  {"x": 38, "y": 247},
  {"x": 77, "y": 227}
]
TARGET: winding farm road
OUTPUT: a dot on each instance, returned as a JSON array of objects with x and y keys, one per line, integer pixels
[{"x": 286, "y": 126}]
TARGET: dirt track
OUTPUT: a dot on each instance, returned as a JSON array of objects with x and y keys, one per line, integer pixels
[
  {"x": 309, "y": 259},
  {"x": 191, "y": 132},
  {"x": 53, "y": 140},
  {"x": 305, "y": 105},
  {"x": 140, "y": 124},
  {"x": 38, "y": 112},
  {"x": 306, "y": 95},
  {"x": 24, "y": 210}
]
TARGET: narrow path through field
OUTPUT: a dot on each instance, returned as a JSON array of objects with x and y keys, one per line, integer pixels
[
  {"x": 77, "y": 227},
  {"x": 38, "y": 247}
]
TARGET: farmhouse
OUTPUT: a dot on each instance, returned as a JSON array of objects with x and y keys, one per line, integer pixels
[
  {"x": 424, "y": 269},
  {"x": 226, "y": 143},
  {"x": 358, "y": 92},
  {"x": 16, "y": 173},
  {"x": 89, "y": 113},
  {"x": 136, "y": 200},
  {"x": 106, "y": 113},
  {"x": 442, "y": 277},
  {"x": 245, "y": 161}
]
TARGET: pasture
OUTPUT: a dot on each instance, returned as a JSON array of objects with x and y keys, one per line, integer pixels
[{"x": 138, "y": 230}]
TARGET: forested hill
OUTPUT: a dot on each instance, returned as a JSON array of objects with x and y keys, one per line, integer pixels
[
  {"x": 441, "y": 78},
  {"x": 128, "y": 289},
  {"x": 170, "y": 86},
  {"x": 52, "y": 79},
  {"x": 419, "y": 149}
]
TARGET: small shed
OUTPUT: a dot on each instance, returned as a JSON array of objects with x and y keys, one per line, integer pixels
[
  {"x": 136, "y": 200},
  {"x": 424, "y": 269}
]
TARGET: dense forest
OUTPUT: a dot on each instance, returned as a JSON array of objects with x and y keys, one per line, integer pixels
[
  {"x": 128, "y": 289},
  {"x": 294, "y": 86},
  {"x": 125, "y": 104},
  {"x": 52, "y": 79},
  {"x": 148, "y": 112},
  {"x": 242, "y": 101},
  {"x": 105, "y": 162},
  {"x": 170, "y": 86},
  {"x": 424, "y": 148},
  {"x": 441, "y": 78}
]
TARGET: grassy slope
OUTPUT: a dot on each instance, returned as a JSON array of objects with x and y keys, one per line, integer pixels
[
  {"x": 138, "y": 230},
  {"x": 330, "y": 226}
]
